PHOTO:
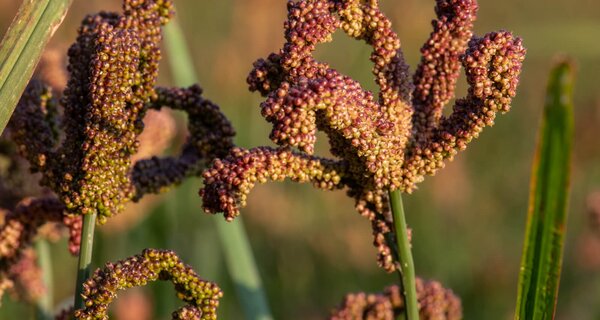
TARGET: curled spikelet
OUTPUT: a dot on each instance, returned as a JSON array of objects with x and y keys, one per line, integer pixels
[
  {"x": 114, "y": 63},
  {"x": 266, "y": 75},
  {"x": 113, "y": 67},
  {"x": 202, "y": 297},
  {"x": 229, "y": 180},
  {"x": 210, "y": 136},
  {"x": 435, "y": 303},
  {"x": 16, "y": 182},
  {"x": 387, "y": 142}
]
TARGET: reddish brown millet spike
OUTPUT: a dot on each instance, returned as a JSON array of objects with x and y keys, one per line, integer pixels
[
  {"x": 435, "y": 303},
  {"x": 492, "y": 64},
  {"x": 202, "y": 297},
  {"x": 229, "y": 180},
  {"x": 385, "y": 144},
  {"x": 436, "y": 75}
]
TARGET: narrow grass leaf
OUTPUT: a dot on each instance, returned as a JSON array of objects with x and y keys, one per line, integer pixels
[
  {"x": 235, "y": 245},
  {"x": 45, "y": 304},
  {"x": 22, "y": 47},
  {"x": 549, "y": 191},
  {"x": 18, "y": 33}
]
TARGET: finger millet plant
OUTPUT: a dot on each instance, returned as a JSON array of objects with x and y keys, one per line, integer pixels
[{"x": 383, "y": 143}]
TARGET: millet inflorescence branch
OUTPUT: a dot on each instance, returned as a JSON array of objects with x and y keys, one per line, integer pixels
[
  {"x": 383, "y": 143},
  {"x": 202, "y": 297},
  {"x": 380, "y": 142},
  {"x": 435, "y": 303},
  {"x": 113, "y": 67}
]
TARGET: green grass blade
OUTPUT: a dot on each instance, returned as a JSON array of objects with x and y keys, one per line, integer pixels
[
  {"x": 45, "y": 304},
  {"x": 235, "y": 245},
  {"x": 242, "y": 268},
  {"x": 22, "y": 47},
  {"x": 180, "y": 61},
  {"x": 18, "y": 32},
  {"x": 549, "y": 192}
]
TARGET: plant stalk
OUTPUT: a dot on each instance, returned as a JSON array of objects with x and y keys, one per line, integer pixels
[
  {"x": 45, "y": 303},
  {"x": 85, "y": 256},
  {"x": 405, "y": 259},
  {"x": 242, "y": 268}
]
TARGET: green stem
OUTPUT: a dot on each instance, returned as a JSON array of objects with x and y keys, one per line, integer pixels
[
  {"x": 85, "y": 256},
  {"x": 405, "y": 259},
  {"x": 242, "y": 268},
  {"x": 45, "y": 303}
]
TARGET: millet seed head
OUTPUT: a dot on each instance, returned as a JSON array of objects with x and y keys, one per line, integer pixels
[
  {"x": 381, "y": 144},
  {"x": 201, "y": 297}
]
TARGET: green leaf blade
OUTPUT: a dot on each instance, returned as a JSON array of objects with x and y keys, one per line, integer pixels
[
  {"x": 546, "y": 222},
  {"x": 18, "y": 33},
  {"x": 22, "y": 47},
  {"x": 235, "y": 244}
]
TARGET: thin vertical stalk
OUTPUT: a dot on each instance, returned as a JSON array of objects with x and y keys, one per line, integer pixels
[
  {"x": 242, "y": 268},
  {"x": 85, "y": 256},
  {"x": 235, "y": 245},
  {"x": 405, "y": 259},
  {"x": 45, "y": 303}
]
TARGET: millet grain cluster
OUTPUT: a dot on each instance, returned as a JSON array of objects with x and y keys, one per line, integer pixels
[
  {"x": 113, "y": 67},
  {"x": 383, "y": 143}
]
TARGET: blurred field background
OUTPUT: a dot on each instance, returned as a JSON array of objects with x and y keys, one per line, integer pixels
[{"x": 312, "y": 247}]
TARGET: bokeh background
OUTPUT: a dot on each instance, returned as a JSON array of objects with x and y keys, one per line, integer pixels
[{"x": 311, "y": 246}]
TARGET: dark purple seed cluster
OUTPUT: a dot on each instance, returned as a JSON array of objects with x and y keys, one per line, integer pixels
[
  {"x": 20, "y": 226},
  {"x": 113, "y": 67},
  {"x": 16, "y": 182},
  {"x": 383, "y": 143},
  {"x": 202, "y": 297},
  {"x": 210, "y": 136},
  {"x": 435, "y": 303}
]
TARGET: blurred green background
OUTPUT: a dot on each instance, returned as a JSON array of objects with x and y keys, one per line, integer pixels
[{"x": 311, "y": 246}]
